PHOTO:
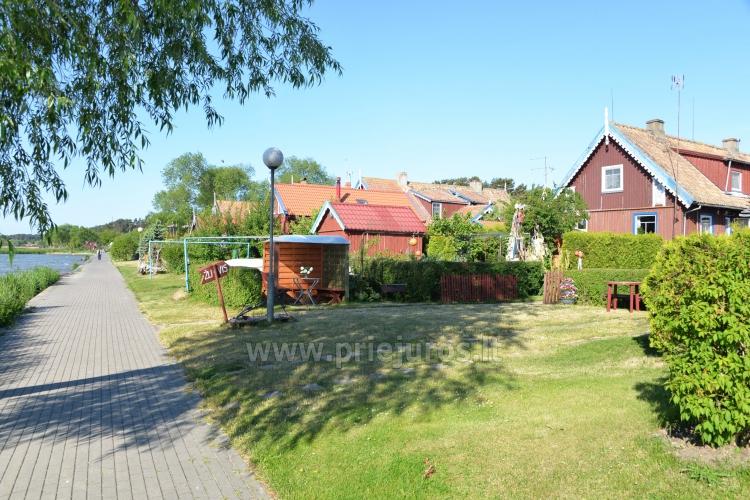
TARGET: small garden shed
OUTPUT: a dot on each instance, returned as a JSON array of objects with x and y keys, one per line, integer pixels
[{"x": 328, "y": 256}]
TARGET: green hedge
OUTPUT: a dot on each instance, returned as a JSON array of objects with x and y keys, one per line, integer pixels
[
  {"x": 422, "y": 277},
  {"x": 612, "y": 251},
  {"x": 699, "y": 297},
  {"x": 592, "y": 283},
  {"x": 16, "y": 289},
  {"x": 125, "y": 246},
  {"x": 240, "y": 287}
]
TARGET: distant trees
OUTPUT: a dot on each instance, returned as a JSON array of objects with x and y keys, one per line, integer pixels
[
  {"x": 298, "y": 169},
  {"x": 190, "y": 183},
  {"x": 496, "y": 183}
]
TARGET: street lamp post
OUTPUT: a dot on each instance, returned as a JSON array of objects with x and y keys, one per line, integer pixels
[{"x": 273, "y": 158}]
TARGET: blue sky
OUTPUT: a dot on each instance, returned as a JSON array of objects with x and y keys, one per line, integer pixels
[{"x": 443, "y": 89}]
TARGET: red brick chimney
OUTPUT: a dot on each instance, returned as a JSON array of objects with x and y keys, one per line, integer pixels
[{"x": 338, "y": 188}]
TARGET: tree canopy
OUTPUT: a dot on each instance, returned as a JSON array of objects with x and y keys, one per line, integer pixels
[
  {"x": 76, "y": 76},
  {"x": 298, "y": 169},
  {"x": 553, "y": 214}
]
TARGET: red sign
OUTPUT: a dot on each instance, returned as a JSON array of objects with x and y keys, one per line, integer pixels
[{"x": 210, "y": 272}]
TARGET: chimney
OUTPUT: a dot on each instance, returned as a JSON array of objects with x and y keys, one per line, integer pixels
[
  {"x": 656, "y": 126},
  {"x": 476, "y": 186},
  {"x": 338, "y": 188},
  {"x": 403, "y": 180},
  {"x": 732, "y": 145}
]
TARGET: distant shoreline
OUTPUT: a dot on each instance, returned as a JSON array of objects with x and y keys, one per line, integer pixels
[{"x": 50, "y": 251}]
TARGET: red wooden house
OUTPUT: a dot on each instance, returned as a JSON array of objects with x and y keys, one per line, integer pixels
[
  {"x": 640, "y": 180},
  {"x": 376, "y": 228}
]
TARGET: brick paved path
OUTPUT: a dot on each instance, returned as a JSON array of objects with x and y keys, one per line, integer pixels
[{"x": 91, "y": 407}]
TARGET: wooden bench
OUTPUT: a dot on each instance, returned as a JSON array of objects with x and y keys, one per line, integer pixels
[{"x": 392, "y": 288}]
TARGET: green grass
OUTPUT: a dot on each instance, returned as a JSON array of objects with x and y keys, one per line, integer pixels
[
  {"x": 568, "y": 405},
  {"x": 17, "y": 288}
]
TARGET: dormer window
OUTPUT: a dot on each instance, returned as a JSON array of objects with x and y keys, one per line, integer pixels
[
  {"x": 437, "y": 210},
  {"x": 736, "y": 182},
  {"x": 612, "y": 179}
]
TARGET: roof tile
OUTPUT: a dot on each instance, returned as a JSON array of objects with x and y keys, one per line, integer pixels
[{"x": 380, "y": 218}]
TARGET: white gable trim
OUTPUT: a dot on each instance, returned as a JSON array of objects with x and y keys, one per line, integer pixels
[
  {"x": 650, "y": 166},
  {"x": 321, "y": 215}
]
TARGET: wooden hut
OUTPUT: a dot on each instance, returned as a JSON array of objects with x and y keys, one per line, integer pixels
[{"x": 327, "y": 255}]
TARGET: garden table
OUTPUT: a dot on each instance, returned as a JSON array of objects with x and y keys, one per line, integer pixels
[
  {"x": 305, "y": 287},
  {"x": 634, "y": 292}
]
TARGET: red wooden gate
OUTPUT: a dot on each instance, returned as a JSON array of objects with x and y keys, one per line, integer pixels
[{"x": 478, "y": 288}]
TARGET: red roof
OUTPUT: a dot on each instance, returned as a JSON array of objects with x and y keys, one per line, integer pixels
[
  {"x": 307, "y": 199},
  {"x": 377, "y": 218}
]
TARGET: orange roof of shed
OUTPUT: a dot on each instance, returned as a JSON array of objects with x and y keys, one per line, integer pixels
[{"x": 376, "y": 218}]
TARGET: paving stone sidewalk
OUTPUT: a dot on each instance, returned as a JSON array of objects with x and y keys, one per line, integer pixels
[{"x": 92, "y": 407}]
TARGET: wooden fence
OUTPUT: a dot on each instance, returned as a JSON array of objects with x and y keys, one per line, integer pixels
[
  {"x": 477, "y": 288},
  {"x": 552, "y": 280}
]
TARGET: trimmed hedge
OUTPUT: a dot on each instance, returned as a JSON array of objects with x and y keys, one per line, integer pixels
[
  {"x": 125, "y": 246},
  {"x": 612, "y": 251},
  {"x": 16, "y": 289},
  {"x": 240, "y": 287},
  {"x": 422, "y": 277},
  {"x": 699, "y": 297},
  {"x": 592, "y": 283}
]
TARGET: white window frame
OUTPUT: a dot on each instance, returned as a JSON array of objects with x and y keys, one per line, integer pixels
[
  {"x": 637, "y": 221},
  {"x": 731, "y": 183},
  {"x": 604, "y": 178},
  {"x": 710, "y": 218},
  {"x": 728, "y": 225},
  {"x": 583, "y": 226},
  {"x": 439, "y": 206},
  {"x": 658, "y": 194}
]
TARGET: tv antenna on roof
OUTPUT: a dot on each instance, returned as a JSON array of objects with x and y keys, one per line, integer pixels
[
  {"x": 547, "y": 169},
  {"x": 678, "y": 83}
]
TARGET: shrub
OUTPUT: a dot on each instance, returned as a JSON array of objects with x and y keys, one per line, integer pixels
[
  {"x": 422, "y": 277},
  {"x": 592, "y": 283},
  {"x": 16, "y": 289},
  {"x": 240, "y": 287},
  {"x": 612, "y": 251},
  {"x": 125, "y": 246},
  {"x": 698, "y": 293}
]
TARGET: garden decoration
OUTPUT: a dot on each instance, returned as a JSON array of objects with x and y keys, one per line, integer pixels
[
  {"x": 568, "y": 291},
  {"x": 579, "y": 254},
  {"x": 305, "y": 271}
]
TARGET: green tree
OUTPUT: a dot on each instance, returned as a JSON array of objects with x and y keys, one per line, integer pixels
[
  {"x": 552, "y": 214},
  {"x": 229, "y": 183},
  {"x": 296, "y": 169},
  {"x": 453, "y": 237},
  {"x": 75, "y": 74},
  {"x": 182, "y": 179}
]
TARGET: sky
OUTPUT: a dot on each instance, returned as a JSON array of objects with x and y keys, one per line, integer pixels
[{"x": 447, "y": 89}]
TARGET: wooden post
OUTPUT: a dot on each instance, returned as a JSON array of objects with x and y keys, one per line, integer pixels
[{"x": 221, "y": 294}]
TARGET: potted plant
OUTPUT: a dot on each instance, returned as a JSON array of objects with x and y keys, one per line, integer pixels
[{"x": 568, "y": 291}]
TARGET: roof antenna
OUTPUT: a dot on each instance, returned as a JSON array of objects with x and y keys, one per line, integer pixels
[
  {"x": 678, "y": 82},
  {"x": 606, "y": 126}
]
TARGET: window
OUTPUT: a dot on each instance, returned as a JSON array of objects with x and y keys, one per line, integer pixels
[
  {"x": 706, "y": 224},
  {"x": 644, "y": 223},
  {"x": 728, "y": 225},
  {"x": 612, "y": 179},
  {"x": 736, "y": 185},
  {"x": 583, "y": 225},
  {"x": 658, "y": 196},
  {"x": 437, "y": 210}
]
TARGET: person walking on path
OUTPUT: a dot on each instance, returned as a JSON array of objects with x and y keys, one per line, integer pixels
[{"x": 99, "y": 254}]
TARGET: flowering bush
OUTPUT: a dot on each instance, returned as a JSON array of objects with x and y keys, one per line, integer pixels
[{"x": 568, "y": 290}]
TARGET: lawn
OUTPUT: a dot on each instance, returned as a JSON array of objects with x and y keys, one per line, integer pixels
[{"x": 521, "y": 400}]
